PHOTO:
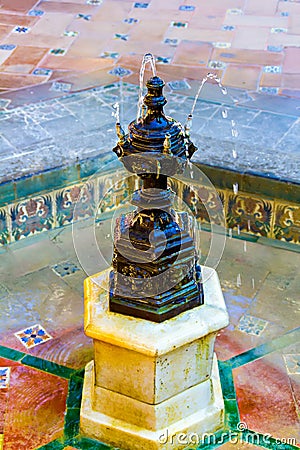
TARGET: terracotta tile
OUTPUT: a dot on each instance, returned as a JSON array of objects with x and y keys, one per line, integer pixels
[
  {"x": 87, "y": 48},
  {"x": 199, "y": 34},
  {"x": 242, "y": 76},
  {"x": 291, "y": 81},
  {"x": 12, "y": 81},
  {"x": 292, "y": 7},
  {"x": 245, "y": 20},
  {"x": 291, "y": 60},
  {"x": 24, "y": 59},
  {"x": 260, "y": 9},
  {"x": 284, "y": 39},
  {"x": 4, "y": 31},
  {"x": 38, "y": 40},
  {"x": 14, "y": 19},
  {"x": 52, "y": 24},
  {"x": 153, "y": 29},
  {"x": 92, "y": 79},
  {"x": 66, "y": 7},
  {"x": 265, "y": 398},
  {"x": 270, "y": 80},
  {"x": 244, "y": 56},
  {"x": 35, "y": 413},
  {"x": 18, "y": 5},
  {"x": 251, "y": 38},
  {"x": 118, "y": 12},
  {"x": 295, "y": 383},
  {"x": 192, "y": 53},
  {"x": 4, "y": 55},
  {"x": 76, "y": 64},
  {"x": 3, "y": 407}
]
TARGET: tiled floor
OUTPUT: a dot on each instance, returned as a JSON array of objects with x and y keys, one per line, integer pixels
[
  {"x": 259, "y": 349},
  {"x": 75, "y": 40}
]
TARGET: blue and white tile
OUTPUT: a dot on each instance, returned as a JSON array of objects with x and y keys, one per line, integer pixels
[
  {"x": 252, "y": 325},
  {"x": 20, "y": 29},
  {"x": 65, "y": 268},
  {"x": 40, "y": 71},
  {"x": 36, "y": 12},
  {"x": 179, "y": 85},
  {"x": 32, "y": 336},
  {"x": 189, "y": 8},
  {"x": 4, "y": 377},
  {"x": 292, "y": 363},
  {"x": 120, "y": 72}
]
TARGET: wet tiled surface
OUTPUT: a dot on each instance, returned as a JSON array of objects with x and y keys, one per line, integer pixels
[{"x": 259, "y": 349}]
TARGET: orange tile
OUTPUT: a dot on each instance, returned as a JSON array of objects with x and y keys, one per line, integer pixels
[
  {"x": 4, "y": 31},
  {"x": 271, "y": 80},
  {"x": 290, "y": 81},
  {"x": 244, "y": 77},
  {"x": 192, "y": 53},
  {"x": 246, "y": 56},
  {"x": 23, "y": 59},
  {"x": 17, "y": 19},
  {"x": 251, "y": 38},
  {"x": 35, "y": 413},
  {"x": 38, "y": 40},
  {"x": 200, "y": 34},
  {"x": 52, "y": 24},
  {"x": 284, "y": 39},
  {"x": 13, "y": 81},
  {"x": 76, "y": 64},
  {"x": 117, "y": 11},
  {"x": 66, "y": 7},
  {"x": 259, "y": 8},
  {"x": 256, "y": 21},
  {"x": 87, "y": 48},
  {"x": 18, "y": 5},
  {"x": 291, "y": 60}
]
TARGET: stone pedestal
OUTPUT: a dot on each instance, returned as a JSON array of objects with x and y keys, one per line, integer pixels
[{"x": 152, "y": 385}]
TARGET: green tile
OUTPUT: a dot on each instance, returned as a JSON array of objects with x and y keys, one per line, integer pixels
[
  {"x": 9, "y": 353},
  {"x": 83, "y": 443},
  {"x": 47, "y": 366},
  {"x": 7, "y": 193},
  {"x": 279, "y": 343},
  {"x": 79, "y": 373},
  {"x": 54, "y": 445},
  {"x": 232, "y": 415},
  {"x": 279, "y": 244},
  {"x": 104, "y": 161},
  {"x": 227, "y": 381},
  {"x": 47, "y": 181},
  {"x": 75, "y": 392},
  {"x": 71, "y": 428}
]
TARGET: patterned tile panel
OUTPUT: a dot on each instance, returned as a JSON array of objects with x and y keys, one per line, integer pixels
[
  {"x": 205, "y": 203},
  {"x": 252, "y": 325},
  {"x": 4, "y": 377},
  {"x": 287, "y": 223},
  {"x": 33, "y": 336},
  {"x": 292, "y": 363},
  {"x": 31, "y": 216},
  {"x": 249, "y": 214},
  {"x": 4, "y": 232},
  {"x": 75, "y": 202}
]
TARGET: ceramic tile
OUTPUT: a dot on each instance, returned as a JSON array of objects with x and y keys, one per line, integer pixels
[
  {"x": 74, "y": 203},
  {"x": 120, "y": 72},
  {"x": 252, "y": 325},
  {"x": 249, "y": 214},
  {"x": 292, "y": 363},
  {"x": 59, "y": 86},
  {"x": 242, "y": 76},
  {"x": 24, "y": 59},
  {"x": 65, "y": 268},
  {"x": 179, "y": 85},
  {"x": 4, "y": 231},
  {"x": 4, "y": 377},
  {"x": 34, "y": 394},
  {"x": 31, "y": 216},
  {"x": 189, "y": 8},
  {"x": 265, "y": 398},
  {"x": 33, "y": 336},
  {"x": 35, "y": 12},
  {"x": 21, "y": 29},
  {"x": 287, "y": 223},
  {"x": 192, "y": 53}
]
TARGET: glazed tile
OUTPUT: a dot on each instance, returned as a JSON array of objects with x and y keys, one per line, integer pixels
[
  {"x": 24, "y": 59},
  {"x": 265, "y": 398},
  {"x": 252, "y": 325},
  {"x": 65, "y": 268},
  {"x": 34, "y": 393},
  {"x": 4, "y": 377},
  {"x": 241, "y": 76},
  {"x": 33, "y": 336},
  {"x": 292, "y": 363}
]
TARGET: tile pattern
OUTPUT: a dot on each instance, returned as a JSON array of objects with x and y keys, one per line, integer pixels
[
  {"x": 33, "y": 336},
  {"x": 31, "y": 216},
  {"x": 65, "y": 268},
  {"x": 4, "y": 233},
  {"x": 292, "y": 363},
  {"x": 74, "y": 203},
  {"x": 287, "y": 223},
  {"x": 4, "y": 377},
  {"x": 252, "y": 325}
]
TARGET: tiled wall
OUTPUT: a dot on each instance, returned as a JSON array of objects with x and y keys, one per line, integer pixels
[{"x": 245, "y": 213}]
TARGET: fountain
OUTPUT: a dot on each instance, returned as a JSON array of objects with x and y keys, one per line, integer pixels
[{"x": 154, "y": 382}]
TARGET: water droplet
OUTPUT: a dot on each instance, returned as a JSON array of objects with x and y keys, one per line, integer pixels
[
  {"x": 235, "y": 188},
  {"x": 107, "y": 236},
  {"x": 224, "y": 90},
  {"x": 233, "y": 123},
  {"x": 239, "y": 280},
  {"x": 245, "y": 246},
  {"x": 224, "y": 113},
  {"x": 238, "y": 230},
  {"x": 230, "y": 233},
  {"x": 249, "y": 225},
  {"x": 253, "y": 283},
  {"x": 234, "y": 153},
  {"x": 234, "y": 132}
]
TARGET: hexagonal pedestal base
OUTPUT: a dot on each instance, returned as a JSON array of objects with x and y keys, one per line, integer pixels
[
  {"x": 181, "y": 421},
  {"x": 152, "y": 385}
]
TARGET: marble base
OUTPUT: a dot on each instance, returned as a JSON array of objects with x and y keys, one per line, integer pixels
[
  {"x": 151, "y": 381},
  {"x": 181, "y": 421}
]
